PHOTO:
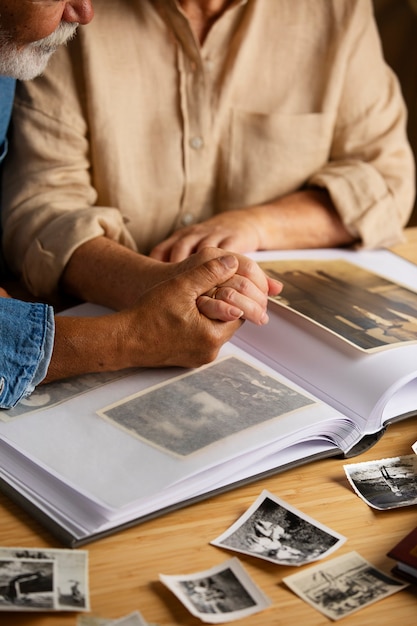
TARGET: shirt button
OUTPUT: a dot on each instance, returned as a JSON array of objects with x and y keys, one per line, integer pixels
[
  {"x": 187, "y": 219},
  {"x": 196, "y": 142}
]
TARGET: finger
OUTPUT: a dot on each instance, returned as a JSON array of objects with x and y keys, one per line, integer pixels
[
  {"x": 251, "y": 270},
  {"x": 4, "y": 294},
  {"x": 216, "y": 309},
  {"x": 186, "y": 246},
  {"x": 161, "y": 252},
  {"x": 253, "y": 310},
  {"x": 247, "y": 288},
  {"x": 274, "y": 286},
  {"x": 209, "y": 275}
]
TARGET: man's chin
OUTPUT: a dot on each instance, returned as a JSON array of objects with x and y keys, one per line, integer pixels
[
  {"x": 25, "y": 63},
  {"x": 26, "y": 66}
]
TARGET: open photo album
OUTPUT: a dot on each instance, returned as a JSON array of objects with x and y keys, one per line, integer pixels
[{"x": 336, "y": 364}]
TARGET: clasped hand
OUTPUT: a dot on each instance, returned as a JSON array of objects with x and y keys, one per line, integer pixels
[{"x": 243, "y": 296}]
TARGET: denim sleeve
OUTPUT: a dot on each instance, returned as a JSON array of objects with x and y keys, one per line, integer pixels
[{"x": 27, "y": 338}]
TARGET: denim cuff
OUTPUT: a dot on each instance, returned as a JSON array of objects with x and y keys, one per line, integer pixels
[{"x": 27, "y": 338}]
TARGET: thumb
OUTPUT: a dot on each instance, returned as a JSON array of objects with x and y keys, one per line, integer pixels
[{"x": 212, "y": 273}]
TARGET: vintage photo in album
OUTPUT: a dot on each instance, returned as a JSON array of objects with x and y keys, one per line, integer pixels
[
  {"x": 204, "y": 406},
  {"x": 361, "y": 307}
]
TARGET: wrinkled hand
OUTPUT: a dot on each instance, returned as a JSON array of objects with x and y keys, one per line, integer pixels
[
  {"x": 173, "y": 323},
  {"x": 118, "y": 277},
  {"x": 231, "y": 230},
  {"x": 246, "y": 291},
  {"x": 167, "y": 328}
]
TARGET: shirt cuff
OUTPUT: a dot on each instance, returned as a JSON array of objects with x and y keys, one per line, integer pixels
[{"x": 27, "y": 338}]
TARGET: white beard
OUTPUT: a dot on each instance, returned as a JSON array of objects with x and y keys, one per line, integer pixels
[{"x": 29, "y": 61}]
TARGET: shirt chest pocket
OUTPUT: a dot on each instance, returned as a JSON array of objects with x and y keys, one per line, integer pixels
[{"x": 267, "y": 156}]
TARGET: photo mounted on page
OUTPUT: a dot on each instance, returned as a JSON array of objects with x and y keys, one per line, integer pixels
[
  {"x": 54, "y": 393},
  {"x": 366, "y": 310},
  {"x": 192, "y": 411}
]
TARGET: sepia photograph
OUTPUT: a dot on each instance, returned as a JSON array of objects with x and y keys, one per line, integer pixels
[
  {"x": 343, "y": 585},
  {"x": 275, "y": 531},
  {"x": 363, "y": 308},
  {"x": 222, "y": 594},
  {"x": 386, "y": 483},
  {"x": 197, "y": 409}
]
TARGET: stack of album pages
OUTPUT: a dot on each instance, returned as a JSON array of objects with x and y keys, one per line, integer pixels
[{"x": 335, "y": 365}]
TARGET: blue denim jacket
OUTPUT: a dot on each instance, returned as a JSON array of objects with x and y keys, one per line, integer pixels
[{"x": 26, "y": 329}]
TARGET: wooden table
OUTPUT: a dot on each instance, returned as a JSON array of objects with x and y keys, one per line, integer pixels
[{"x": 124, "y": 568}]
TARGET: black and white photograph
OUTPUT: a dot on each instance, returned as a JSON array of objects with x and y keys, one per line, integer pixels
[
  {"x": 386, "y": 483},
  {"x": 27, "y": 584},
  {"x": 222, "y": 594},
  {"x": 68, "y": 580},
  {"x": 54, "y": 393},
  {"x": 361, "y": 307},
  {"x": 273, "y": 530},
  {"x": 343, "y": 585},
  {"x": 197, "y": 409}
]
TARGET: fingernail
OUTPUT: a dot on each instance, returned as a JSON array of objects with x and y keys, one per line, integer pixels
[
  {"x": 264, "y": 319},
  {"x": 237, "y": 313},
  {"x": 228, "y": 261}
]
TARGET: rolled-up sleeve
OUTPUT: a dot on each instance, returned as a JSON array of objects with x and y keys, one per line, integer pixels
[
  {"x": 54, "y": 211},
  {"x": 27, "y": 338},
  {"x": 370, "y": 173}
]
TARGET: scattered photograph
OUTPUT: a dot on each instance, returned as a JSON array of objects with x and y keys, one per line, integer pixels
[
  {"x": 133, "y": 619},
  {"x": 202, "y": 407},
  {"x": 52, "y": 394},
  {"x": 342, "y": 585},
  {"x": 386, "y": 483},
  {"x": 92, "y": 620},
  {"x": 273, "y": 530},
  {"x": 44, "y": 579},
  {"x": 363, "y": 308},
  {"x": 223, "y": 593}
]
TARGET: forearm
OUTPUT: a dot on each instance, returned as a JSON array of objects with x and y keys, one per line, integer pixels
[
  {"x": 304, "y": 219},
  {"x": 104, "y": 272},
  {"x": 164, "y": 329},
  {"x": 85, "y": 345}
]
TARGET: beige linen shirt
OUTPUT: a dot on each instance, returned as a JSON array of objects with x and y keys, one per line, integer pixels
[{"x": 135, "y": 129}]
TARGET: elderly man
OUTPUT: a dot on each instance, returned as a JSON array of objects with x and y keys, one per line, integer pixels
[
  {"x": 163, "y": 327},
  {"x": 171, "y": 125}
]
